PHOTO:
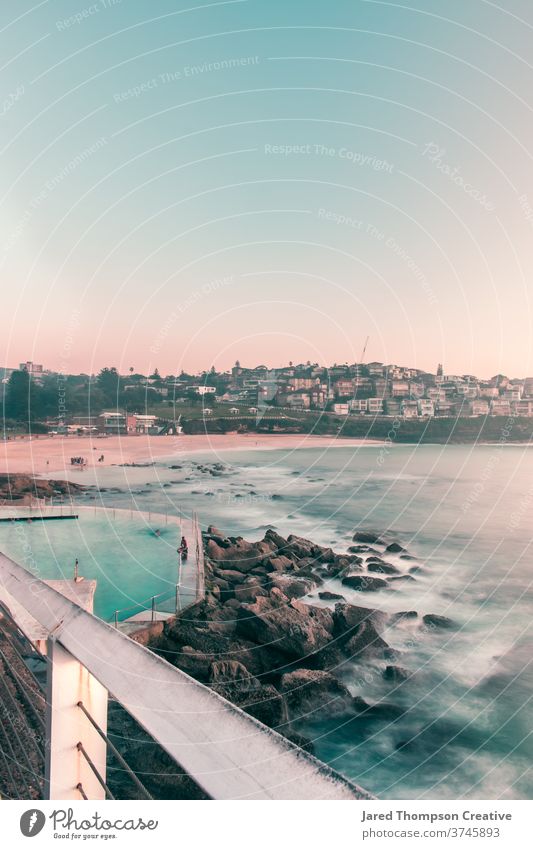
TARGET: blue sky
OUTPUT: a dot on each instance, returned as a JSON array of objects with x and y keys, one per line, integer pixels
[{"x": 188, "y": 184}]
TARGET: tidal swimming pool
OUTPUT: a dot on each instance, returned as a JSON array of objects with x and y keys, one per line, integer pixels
[{"x": 131, "y": 555}]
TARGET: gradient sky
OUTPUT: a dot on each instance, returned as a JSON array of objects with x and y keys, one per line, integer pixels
[{"x": 147, "y": 218}]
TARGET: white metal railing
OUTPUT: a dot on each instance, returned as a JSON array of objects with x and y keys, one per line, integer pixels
[{"x": 229, "y": 754}]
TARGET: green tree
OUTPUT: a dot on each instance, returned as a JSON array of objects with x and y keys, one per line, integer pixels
[
  {"x": 108, "y": 381},
  {"x": 18, "y": 397}
]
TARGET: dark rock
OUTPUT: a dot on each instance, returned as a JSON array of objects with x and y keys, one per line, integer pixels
[
  {"x": 403, "y": 614},
  {"x": 232, "y": 603},
  {"x": 231, "y": 676},
  {"x": 309, "y": 574},
  {"x": 278, "y": 542},
  {"x": 280, "y": 563},
  {"x": 268, "y": 706},
  {"x": 260, "y": 572},
  {"x": 364, "y": 583},
  {"x": 222, "y": 542},
  {"x": 348, "y": 617},
  {"x": 326, "y": 595},
  {"x": 356, "y": 629},
  {"x": 310, "y": 693},
  {"x": 343, "y": 562},
  {"x": 230, "y": 575},
  {"x": 395, "y": 547},
  {"x": 221, "y": 583},
  {"x": 194, "y": 662},
  {"x": 231, "y": 679},
  {"x": 382, "y": 568},
  {"x": 278, "y": 598},
  {"x": 396, "y": 674},
  {"x": 365, "y": 640},
  {"x": 366, "y": 536},
  {"x": 241, "y": 556},
  {"x": 403, "y": 578},
  {"x": 17, "y": 486},
  {"x": 249, "y": 590},
  {"x": 433, "y": 620},
  {"x": 292, "y": 587},
  {"x": 362, "y": 549},
  {"x": 291, "y": 630},
  {"x": 214, "y": 550},
  {"x": 303, "y": 548}
]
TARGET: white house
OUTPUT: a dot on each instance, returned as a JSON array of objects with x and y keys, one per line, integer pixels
[
  {"x": 204, "y": 390},
  {"x": 341, "y": 409}
]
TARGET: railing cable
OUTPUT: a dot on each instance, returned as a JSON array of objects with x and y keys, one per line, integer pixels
[
  {"x": 116, "y": 753},
  {"x": 97, "y": 775},
  {"x": 81, "y": 791}
]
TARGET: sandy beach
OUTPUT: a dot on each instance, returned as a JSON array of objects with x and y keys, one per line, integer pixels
[{"x": 46, "y": 455}]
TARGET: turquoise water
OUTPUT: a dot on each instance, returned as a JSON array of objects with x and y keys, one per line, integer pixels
[
  {"x": 128, "y": 560},
  {"x": 466, "y": 514}
]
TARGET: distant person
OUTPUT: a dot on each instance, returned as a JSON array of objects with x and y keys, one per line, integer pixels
[{"x": 183, "y": 549}]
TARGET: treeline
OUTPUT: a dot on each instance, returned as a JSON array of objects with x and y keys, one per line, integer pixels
[{"x": 31, "y": 401}]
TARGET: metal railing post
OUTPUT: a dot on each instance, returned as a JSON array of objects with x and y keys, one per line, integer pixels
[
  {"x": 178, "y": 583},
  {"x": 69, "y": 682}
]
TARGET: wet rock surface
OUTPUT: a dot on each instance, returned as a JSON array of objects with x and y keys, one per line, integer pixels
[{"x": 258, "y": 639}]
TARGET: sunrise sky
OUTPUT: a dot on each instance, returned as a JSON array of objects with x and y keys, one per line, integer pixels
[{"x": 187, "y": 184}]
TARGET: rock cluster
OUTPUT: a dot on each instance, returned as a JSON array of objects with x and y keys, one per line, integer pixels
[
  {"x": 285, "y": 660},
  {"x": 16, "y": 487}
]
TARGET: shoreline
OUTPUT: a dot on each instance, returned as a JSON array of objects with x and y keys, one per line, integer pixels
[{"x": 47, "y": 455}]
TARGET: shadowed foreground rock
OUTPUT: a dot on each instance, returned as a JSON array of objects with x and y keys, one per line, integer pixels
[{"x": 259, "y": 640}]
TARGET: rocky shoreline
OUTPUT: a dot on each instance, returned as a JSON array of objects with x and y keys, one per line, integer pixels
[
  {"x": 18, "y": 487},
  {"x": 259, "y": 639}
]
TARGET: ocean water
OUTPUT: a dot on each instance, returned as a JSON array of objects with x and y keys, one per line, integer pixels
[{"x": 462, "y": 725}]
